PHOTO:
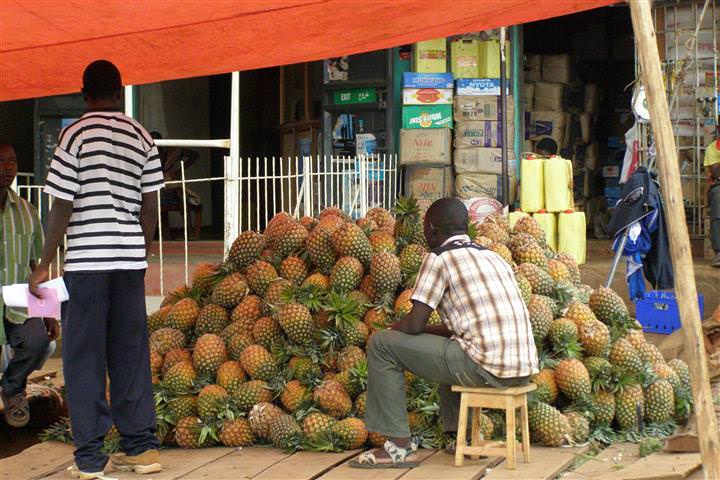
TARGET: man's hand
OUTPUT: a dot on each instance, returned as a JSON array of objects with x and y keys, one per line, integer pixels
[
  {"x": 53, "y": 328},
  {"x": 414, "y": 322},
  {"x": 38, "y": 276}
]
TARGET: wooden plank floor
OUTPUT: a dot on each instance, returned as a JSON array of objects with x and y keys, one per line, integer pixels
[
  {"x": 610, "y": 460},
  {"x": 36, "y": 462}
]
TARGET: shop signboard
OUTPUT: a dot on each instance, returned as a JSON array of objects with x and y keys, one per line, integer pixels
[
  {"x": 427, "y": 116},
  {"x": 353, "y": 96}
]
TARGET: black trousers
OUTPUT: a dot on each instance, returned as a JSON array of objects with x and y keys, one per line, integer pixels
[
  {"x": 29, "y": 342},
  {"x": 105, "y": 332}
]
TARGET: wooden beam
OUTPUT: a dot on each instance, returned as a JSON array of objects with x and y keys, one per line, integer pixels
[
  {"x": 680, "y": 251},
  {"x": 306, "y": 91},
  {"x": 282, "y": 94}
]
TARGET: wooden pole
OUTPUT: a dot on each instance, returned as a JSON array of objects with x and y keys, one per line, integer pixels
[{"x": 680, "y": 251}]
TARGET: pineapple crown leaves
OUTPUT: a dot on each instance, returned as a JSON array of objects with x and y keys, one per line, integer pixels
[
  {"x": 622, "y": 379},
  {"x": 683, "y": 403},
  {"x": 59, "y": 431},
  {"x": 310, "y": 296},
  {"x": 306, "y": 407},
  {"x": 405, "y": 208},
  {"x": 279, "y": 381},
  {"x": 649, "y": 445},
  {"x": 604, "y": 434},
  {"x": 345, "y": 311},
  {"x": 359, "y": 375},
  {"x": 207, "y": 432},
  {"x": 330, "y": 339},
  {"x": 568, "y": 346},
  {"x": 472, "y": 229},
  {"x": 327, "y": 441},
  {"x": 566, "y": 293},
  {"x": 647, "y": 376}
]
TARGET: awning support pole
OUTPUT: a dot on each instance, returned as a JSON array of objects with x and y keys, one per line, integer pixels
[
  {"x": 232, "y": 169},
  {"x": 504, "y": 121},
  {"x": 680, "y": 251}
]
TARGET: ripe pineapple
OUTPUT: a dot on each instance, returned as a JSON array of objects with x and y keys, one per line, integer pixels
[
  {"x": 376, "y": 440},
  {"x": 649, "y": 353},
  {"x": 258, "y": 363},
  {"x": 230, "y": 375},
  {"x": 411, "y": 258},
  {"x": 603, "y": 408},
  {"x": 209, "y": 354},
  {"x": 166, "y": 339},
  {"x": 294, "y": 395},
  {"x": 157, "y": 319},
  {"x": 179, "y": 379},
  {"x": 629, "y": 406},
  {"x": 294, "y": 269},
  {"x": 382, "y": 218},
  {"x": 530, "y": 226},
  {"x": 259, "y": 275},
  {"x": 382, "y": 241},
  {"x": 351, "y": 431},
  {"x": 236, "y": 433},
  {"x": 277, "y": 225},
  {"x": 524, "y": 286},
  {"x": 503, "y": 251},
  {"x": 561, "y": 331},
  {"x": 319, "y": 244},
  {"x": 594, "y": 337},
  {"x": 636, "y": 338},
  {"x": 183, "y": 406},
  {"x": 682, "y": 371},
  {"x": 290, "y": 239},
  {"x": 260, "y": 417},
  {"x": 367, "y": 286},
  {"x": 317, "y": 279},
  {"x": 267, "y": 332},
  {"x": 494, "y": 232},
  {"x": 541, "y": 318},
  {"x": 547, "y": 390},
  {"x": 251, "y": 393},
  {"x": 187, "y": 432},
  {"x": 332, "y": 398},
  {"x": 360, "y": 403},
  {"x": 309, "y": 223},
  {"x": 600, "y": 370},
  {"x": 349, "y": 240},
  {"x": 573, "y": 379},
  {"x": 304, "y": 369},
  {"x": 385, "y": 270},
  {"x": 346, "y": 274},
  {"x": 334, "y": 212},
  {"x": 285, "y": 433},
  {"x": 212, "y": 400},
  {"x": 316, "y": 423},
  {"x": 156, "y": 362},
  {"x": 277, "y": 295},
  {"x": 237, "y": 343},
  {"x": 530, "y": 253},
  {"x": 349, "y": 357},
  {"x": 183, "y": 314},
  {"x": 558, "y": 271},
  {"x": 579, "y": 313},
  {"x": 230, "y": 291},
  {"x": 408, "y": 221},
  {"x": 666, "y": 372},
  {"x": 608, "y": 306},
  {"x": 548, "y": 426},
  {"x": 579, "y": 427},
  {"x": 175, "y": 356},
  {"x": 540, "y": 282},
  {"x": 212, "y": 319},
  {"x": 297, "y": 323},
  {"x": 571, "y": 266},
  {"x": 246, "y": 249},
  {"x": 659, "y": 401},
  {"x": 625, "y": 357},
  {"x": 377, "y": 319},
  {"x": 246, "y": 313}
]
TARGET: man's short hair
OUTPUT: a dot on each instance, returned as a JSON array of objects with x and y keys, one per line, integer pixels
[
  {"x": 548, "y": 145},
  {"x": 101, "y": 80},
  {"x": 449, "y": 215}
]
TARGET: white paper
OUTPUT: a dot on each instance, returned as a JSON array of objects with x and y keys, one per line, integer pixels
[{"x": 16, "y": 295}]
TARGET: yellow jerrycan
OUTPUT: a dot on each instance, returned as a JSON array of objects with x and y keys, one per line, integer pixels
[
  {"x": 514, "y": 216},
  {"x": 548, "y": 222},
  {"x": 558, "y": 178},
  {"x": 571, "y": 234},
  {"x": 532, "y": 183}
]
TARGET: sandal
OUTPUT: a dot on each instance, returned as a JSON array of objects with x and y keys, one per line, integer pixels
[
  {"x": 397, "y": 457},
  {"x": 17, "y": 410}
]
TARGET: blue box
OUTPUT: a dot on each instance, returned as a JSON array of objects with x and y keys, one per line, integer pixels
[
  {"x": 658, "y": 312},
  {"x": 427, "y": 80},
  {"x": 478, "y": 86},
  {"x": 612, "y": 192}
]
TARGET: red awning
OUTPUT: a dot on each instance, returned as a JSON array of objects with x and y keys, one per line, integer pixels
[{"x": 45, "y": 45}]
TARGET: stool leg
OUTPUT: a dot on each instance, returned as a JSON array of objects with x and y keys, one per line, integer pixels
[
  {"x": 475, "y": 431},
  {"x": 525, "y": 430},
  {"x": 462, "y": 431},
  {"x": 510, "y": 435}
]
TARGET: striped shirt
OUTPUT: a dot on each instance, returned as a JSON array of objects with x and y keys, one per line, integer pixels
[
  {"x": 475, "y": 293},
  {"x": 22, "y": 242},
  {"x": 103, "y": 163}
]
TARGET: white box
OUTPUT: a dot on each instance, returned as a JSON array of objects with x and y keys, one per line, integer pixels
[{"x": 427, "y": 96}]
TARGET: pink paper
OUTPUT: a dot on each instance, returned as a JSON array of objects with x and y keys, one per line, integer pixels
[{"x": 47, "y": 307}]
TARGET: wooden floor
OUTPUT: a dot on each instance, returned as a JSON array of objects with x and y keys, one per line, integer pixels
[{"x": 618, "y": 462}]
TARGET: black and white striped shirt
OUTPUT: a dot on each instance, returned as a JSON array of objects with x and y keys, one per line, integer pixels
[{"x": 103, "y": 163}]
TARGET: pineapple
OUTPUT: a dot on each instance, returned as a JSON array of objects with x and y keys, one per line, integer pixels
[
  {"x": 524, "y": 286},
  {"x": 316, "y": 423},
  {"x": 285, "y": 433},
  {"x": 377, "y": 318},
  {"x": 376, "y": 440},
  {"x": 260, "y": 417},
  {"x": 230, "y": 375},
  {"x": 600, "y": 370},
  {"x": 571, "y": 266},
  {"x": 530, "y": 226},
  {"x": 156, "y": 362},
  {"x": 385, "y": 270},
  {"x": 211, "y": 402},
  {"x": 212, "y": 319},
  {"x": 625, "y": 357},
  {"x": 166, "y": 339},
  {"x": 382, "y": 241},
  {"x": 360, "y": 404},
  {"x": 485, "y": 425},
  {"x": 573, "y": 379},
  {"x": 629, "y": 405},
  {"x": 649, "y": 353},
  {"x": 183, "y": 314},
  {"x": 237, "y": 343},
  {"x": 230, "y": 291},
  {"x": 561, "y": 331},
  {"x": 579, "y": 313},
  {"x": 548, "y": 426},
  {"x": 594, "y": 337},
  {"x": 540, "y": 281},
  {"x": 188, "y": 431},
  {"x": 682, "y": 370},
  {"x": 547, "y": 390},
  {"x": 183, "y": 406},
  {"x": 267, "y": 332},
  {"x": 180, "y": 378},
  {"x": 258, "y": 363},
  {"x": 317, "y": 279},
  {"x": 309, "y": 223},
  {"x": 294, "y": 395},
  {"x": 346, "y": 274},
  {"x": 304, "y": 369},
  {"x": 332, "y": 398},
  {"x": 276, "y": 295},
  {"x": 666, "y": 372},
  {"x": 251, "y": 393},
  {"x": 408, "y": 221},
  {"x": 382, "y": 218},
  {"x": 411, "y": 259},
  {"x": 246, "y": 313},
  {"x": 558, "y": 271},
  {"x": 503, "y": 251},
  {"x": 290, "y": 239},
  {"x": 659, "y": 401},
  {"x": 174, "y": 357},
  {"x": 297, "y": 323},
  {"x": 349, "y": 357},
  {"x": 494, "y": 232},
  {"x": 246, "y": 249},
  {"x": 209, "y": 354},
  {"x": 259, "y": 276},
  {"x": 579, "y": 427},
  {"x": 530, "y": 253},
  {"x": 157, "y": 319},
  {"x": 349, "y": 240},
  {"x": 319, "y": 245},
  {"x": 636, "y": 338},
  {"x": 236, "y": 433},
  {"x": 541, "y": 318},
  {"x": 603, "y": 408},
  {"x": 294, "y": 269},
  {"x": 608, "y": 306},
  {"x": 276, "y": 226},
  {"x": 334, "y": 212},
  {"x": 351, "y": 431}
]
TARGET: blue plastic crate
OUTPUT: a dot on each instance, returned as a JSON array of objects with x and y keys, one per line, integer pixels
[{"x": 658, "y": 312}]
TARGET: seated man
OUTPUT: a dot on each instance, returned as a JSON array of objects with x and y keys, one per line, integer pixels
[{"x": 486, "y": 338}]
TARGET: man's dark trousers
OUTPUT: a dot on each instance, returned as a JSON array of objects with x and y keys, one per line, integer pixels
[
  {"x": 105, "y": 331},
  {"x": 29, "y": 342}
]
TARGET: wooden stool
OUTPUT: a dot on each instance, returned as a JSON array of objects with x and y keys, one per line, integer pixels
[{"x": 508, "y": 399}]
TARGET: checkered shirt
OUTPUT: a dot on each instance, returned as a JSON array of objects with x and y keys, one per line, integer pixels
[{"x": 475, "y": 293}]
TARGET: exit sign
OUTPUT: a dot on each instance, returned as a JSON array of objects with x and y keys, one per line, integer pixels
[{"x": 355, "y": 95}]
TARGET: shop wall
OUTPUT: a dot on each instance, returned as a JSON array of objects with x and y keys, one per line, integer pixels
[{"x": 16, "y": 128}]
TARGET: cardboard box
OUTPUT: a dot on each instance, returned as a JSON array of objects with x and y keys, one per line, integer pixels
[
  {"x": 471, "y": 108},
  {"x": 547, "y": 124},
  {"x": 533, "y": 68},
  {"x": 549, "y": 96},
  {"x": 482, "y": 160},
  {"x": 481, "y": 134},
  {"x": 592, "y": 98},
  {"x": 586, "y": 123},
  {"x": 426, "y": 146},
  {"x": 528, "y": 96},
  {"x": 465, "y": 57},
  {"x": 478, "y": 86},
  {"x": 427, "y": 96},
  {"x": 427, "y": 80},
  {"x": 556, "y": 68},
  {"x": 430, "y": 56},
  {"x": 427, "y": 116},
  {"x": 472, "y": 185},
  {"x": 428, "y": 184}
]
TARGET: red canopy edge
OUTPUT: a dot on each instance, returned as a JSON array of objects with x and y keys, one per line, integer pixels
[{"x": 44, "y": 46}]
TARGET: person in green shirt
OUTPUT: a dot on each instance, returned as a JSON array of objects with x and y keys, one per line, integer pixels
[
  {"x": 29, "y": 338},
  {"x": 712, "y": 164}
]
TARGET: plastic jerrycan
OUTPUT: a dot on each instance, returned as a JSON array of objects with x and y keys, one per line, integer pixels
[
  {"x": 558, "y": 178},
  {"x": 571, "y": 234},
  {"x": 548, "y": 221},
  {"x": 532, "y": 183}
]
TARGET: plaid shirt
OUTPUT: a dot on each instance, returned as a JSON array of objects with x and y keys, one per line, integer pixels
[{"x": 475, "y": 292}]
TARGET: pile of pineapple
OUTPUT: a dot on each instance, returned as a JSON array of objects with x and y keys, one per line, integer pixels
[{"x": 269, "y": 346}]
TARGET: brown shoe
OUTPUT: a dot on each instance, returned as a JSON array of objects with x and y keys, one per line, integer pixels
[
  {"x": 716, "y": 261},
  {"x": 146, "y": 462},
  {"x": 17, "y": 410}
]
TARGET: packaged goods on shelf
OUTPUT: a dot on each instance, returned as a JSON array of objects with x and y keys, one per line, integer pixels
[
  {"x": 427, "y": 96},
  {"x": 470, "y": 108},
  {"x": 558, "y": 179},
  {"x": 533, "y": 68},
  {"x": 482, "y": 160},
  {"x": 471, "y": 185},
  {"x": 548, "y": 221},
  {"x": 549, "y": 96},
  {"x": 482, "y": 134},
  {"x": 425, "y": 146},
  {"x": 430, "y": 56},
  {"x": 572, "y": 235},
  {"x": 556, "y": 68},
  {"x": 528, "y": 96},
  {"x": 465, "y": 57},
  {"x": 428, "y": 184},
  {"x": 532, "y": 189},
  {"x": 427, "y": 80},
  {"x": 547, "y": 124},
  {"x": 478, "y": 86},
  {"x": 427, "y": 116},
  {"x": 489, "y": 59}
]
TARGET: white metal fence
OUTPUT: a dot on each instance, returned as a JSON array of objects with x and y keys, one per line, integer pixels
[{"x": 269, "y": 185}]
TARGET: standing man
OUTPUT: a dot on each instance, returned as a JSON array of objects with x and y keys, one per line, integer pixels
[
  {"x": 22, "y": 240},
  {"x": 485, "y": 339},
  {"x": 104, "y": 179},
  {"x": 712, "y": 164}
]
